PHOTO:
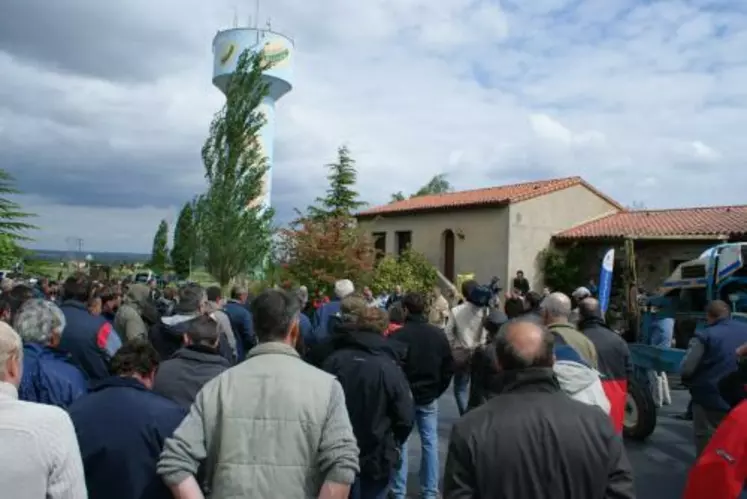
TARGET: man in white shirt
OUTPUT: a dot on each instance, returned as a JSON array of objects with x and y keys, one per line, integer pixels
[{"x": 40, "y": 456}]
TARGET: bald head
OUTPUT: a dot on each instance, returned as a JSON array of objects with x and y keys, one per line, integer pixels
[
  {"x": 717, "y": 310},
  {"x": 522, "y": 345},
  {"x": 11, "y": 354},
  {"x": 589, "y": 308},
  {"x": 556, "y": 308}
]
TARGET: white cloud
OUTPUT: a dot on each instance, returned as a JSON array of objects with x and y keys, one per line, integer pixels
[{"x": 611, "y": 91}]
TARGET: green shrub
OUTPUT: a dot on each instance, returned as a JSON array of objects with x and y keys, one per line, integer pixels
[{"x": 411, "y": 270}]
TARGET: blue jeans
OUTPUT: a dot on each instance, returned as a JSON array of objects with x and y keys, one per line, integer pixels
[
  {"x": 426, "y": 419},
  {"x": 365, "y": 488},
  {"x": 461, "y": 391}
]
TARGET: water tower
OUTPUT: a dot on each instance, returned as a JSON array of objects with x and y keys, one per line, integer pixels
[{"x": 277, "y": 49}]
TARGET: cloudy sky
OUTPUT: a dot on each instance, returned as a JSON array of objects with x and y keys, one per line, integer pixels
[{"x": 104, "y": 105}]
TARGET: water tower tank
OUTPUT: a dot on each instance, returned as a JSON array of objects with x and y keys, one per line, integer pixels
[{"x": 278, "y": 50}]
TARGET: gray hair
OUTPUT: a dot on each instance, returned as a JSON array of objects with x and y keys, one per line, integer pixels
[
  {"x": 10, "y": 346},
  {"x": 37, "y": 320},
  {"x": 7, "y": 284},
  {"x": 557, "y": 305}
]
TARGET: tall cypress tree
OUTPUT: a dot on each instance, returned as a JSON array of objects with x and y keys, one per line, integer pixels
[
  {"x": 160, "y": 254},
  {"x": 235, "y": 231},
  {"x": 341, "y": 200},
  {"x": 185, "y": 242}
]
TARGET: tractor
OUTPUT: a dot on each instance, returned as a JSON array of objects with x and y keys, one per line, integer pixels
[{"x": 720, "y": 273}]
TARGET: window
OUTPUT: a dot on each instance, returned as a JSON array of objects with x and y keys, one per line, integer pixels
[
  {"x": 673, "y": 264},
  {"x": 692, "y": 300},
  {"x": 404, "y": 240},
  {"x": 379, "y": 244}
]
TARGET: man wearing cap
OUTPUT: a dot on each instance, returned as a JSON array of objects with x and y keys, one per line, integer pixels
[
  {"x": 343, "y": 288},
  {"x": 197, "y": 362}
]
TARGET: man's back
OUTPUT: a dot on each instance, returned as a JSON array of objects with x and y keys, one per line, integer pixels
[
  {"x": 121, "y": 427},
  {"x": 39, "y": 455},
  {"x": 429, "y": 365},
  {"x": 89, "y": 340},
  {"x": 182, "y": 376},
  {"x": 273, "y": 426},
  {"x": 535, "y": 442}
]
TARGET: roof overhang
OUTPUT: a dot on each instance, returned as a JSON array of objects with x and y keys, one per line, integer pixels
[
  {"x": 441, "y": 209},
  {"x": 674, "y": 238}
]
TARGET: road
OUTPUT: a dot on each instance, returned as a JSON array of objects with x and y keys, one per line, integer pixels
[{"x": 660, "y": 463}]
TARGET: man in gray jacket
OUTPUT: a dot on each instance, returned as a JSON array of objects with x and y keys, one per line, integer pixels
[{"x": 271, "y": 427}]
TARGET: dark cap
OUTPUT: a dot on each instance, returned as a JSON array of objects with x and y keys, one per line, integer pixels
[{"x": 203, "y": 329}]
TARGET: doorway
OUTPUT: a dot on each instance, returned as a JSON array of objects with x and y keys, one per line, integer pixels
[{"x": 448, "y": 245}]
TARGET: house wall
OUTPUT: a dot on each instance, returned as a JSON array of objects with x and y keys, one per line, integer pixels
[
  {"x": 655, "y": 260},
  {"x": 533, "y": 222},
  {"x": 483, "y": 250}
]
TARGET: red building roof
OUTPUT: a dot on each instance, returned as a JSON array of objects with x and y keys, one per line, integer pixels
[
  {"x": 491, "y": 196},
  {"x": 715, "y": 222}
]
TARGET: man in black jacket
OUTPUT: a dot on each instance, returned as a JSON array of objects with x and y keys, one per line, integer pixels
[
  {"x": 429, "y": 367},
  {"x": 377, "y": 397},
  {"x": 182, "y": 376},
  {"x": 532, "y": 441}
]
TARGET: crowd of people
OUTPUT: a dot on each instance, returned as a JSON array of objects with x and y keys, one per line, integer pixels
[{"x": 118, "y": 391}]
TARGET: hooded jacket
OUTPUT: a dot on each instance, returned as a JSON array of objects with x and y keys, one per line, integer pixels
[
  {"x": 581, "y": 383},
  {"x": 377, "y": 397},
  {"x": 129, "y": 322}
]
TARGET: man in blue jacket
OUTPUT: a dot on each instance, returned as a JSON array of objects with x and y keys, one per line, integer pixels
[
  {"x": 121, "y": 427},
  {"x": 49, "y": 375},
  {"x": 711, "y": 356},
  {"x": 89, "y": 339},
  {"x": 241, "y": 321},
  {"x": 329, "y": 314}
]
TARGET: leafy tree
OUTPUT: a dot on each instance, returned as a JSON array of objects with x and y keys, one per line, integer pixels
[
  {"x": 10, "y": 252},
  {"x": 318, "y": 251},
  {"x": 411, "y": 270},
  {"x": 13, "y": 220},
  {"x": 185, "y": 242},
  {"x": 234, "y": 228},
  {"x": 159, "y": 255},
  {"x": 398, "y": 196},
  {"x": 341, "y": 200},
  {"x": 437, "y": 185},
  {"x": 563, "y": 269}
]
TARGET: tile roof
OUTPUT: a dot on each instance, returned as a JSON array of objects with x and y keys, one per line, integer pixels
[
  {"x": 491, "y": 196},
  {"x": 716, "y": 221}
]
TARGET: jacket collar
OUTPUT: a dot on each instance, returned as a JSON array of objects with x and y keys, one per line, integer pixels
[
  {"x": 272, "y": 347},
  {"x": 201, "y": 353},
  {"x": 592, "y": 321},
  {"x": 532, "y": 380},
  {"x": 561, "y": 326},
  {"x": 366, "y": 340},
  {"x": 8, "y": 391},
  {"x": 75, "y": 304},
  {"x": 118, "y": 382}
]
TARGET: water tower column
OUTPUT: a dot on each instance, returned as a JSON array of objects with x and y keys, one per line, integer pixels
[{"x": 277, "y": 51}]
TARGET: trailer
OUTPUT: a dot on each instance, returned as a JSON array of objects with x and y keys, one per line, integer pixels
[{"x": 720, "y": 273}]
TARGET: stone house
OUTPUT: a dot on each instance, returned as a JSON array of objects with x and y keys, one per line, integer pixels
[
  {"x": 497, "y": 231},
  {"x": 662, "y": 239},
  {"x": 489, "y": 232}
]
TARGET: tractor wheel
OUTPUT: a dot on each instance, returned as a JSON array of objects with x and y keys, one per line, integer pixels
[{"x": 640, "y": 412}]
